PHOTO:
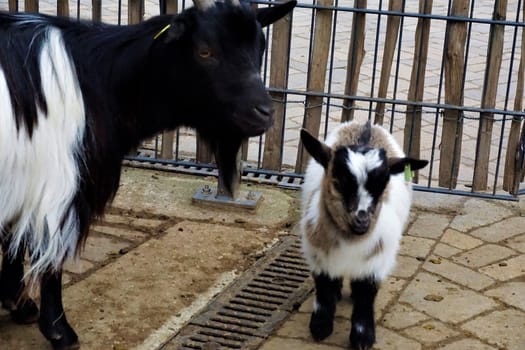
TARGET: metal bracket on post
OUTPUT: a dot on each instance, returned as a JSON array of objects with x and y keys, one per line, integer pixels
[{"x": 222, "y": 196}]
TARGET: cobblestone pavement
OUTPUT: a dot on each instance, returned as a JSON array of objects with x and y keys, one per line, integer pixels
[{"x": 459, "y": 284}]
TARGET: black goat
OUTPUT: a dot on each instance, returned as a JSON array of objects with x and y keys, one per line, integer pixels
[{"x": 75, "y": 97}]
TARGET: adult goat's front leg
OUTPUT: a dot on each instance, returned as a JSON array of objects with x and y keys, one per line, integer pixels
[
  {"x": 12, "y": 287},
  {"x": 327, "y": 294},
  {"x": 53, "y": 323},
  {"x": 362, "y": 334}
]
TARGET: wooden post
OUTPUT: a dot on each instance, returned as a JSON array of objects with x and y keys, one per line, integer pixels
[
  {"x": 63, "y": 8},
  {"x": 13, "y": 5},
  {"x": 356, "y": 52},
  {"x": 490, "y": 88},
  {"x": 317, "y": 77},
  {"x": 412, "y": 137},
  {"x": 273, "y": 144},
  {"x": 166, "y": 150},
  {"x": 450, "y": 153},
  {"x": 204, "y": 151},
  {"x": 96, "y": 10},
  {"x": 392, "y": 32},
  {"x": 135, "y": 11},
  {"x": 512, "y": 171},
  {"x": 30, "y": 5}
]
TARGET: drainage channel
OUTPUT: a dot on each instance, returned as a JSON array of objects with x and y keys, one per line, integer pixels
[{"x": 247, "y": 312}]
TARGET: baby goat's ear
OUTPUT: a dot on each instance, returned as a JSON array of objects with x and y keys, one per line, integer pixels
[
  {"x": 318, "y": 150},
  {"x": 397, "y": 165}
]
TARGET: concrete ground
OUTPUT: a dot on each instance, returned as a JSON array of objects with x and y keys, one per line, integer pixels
[{"x": 157, "y": 259}]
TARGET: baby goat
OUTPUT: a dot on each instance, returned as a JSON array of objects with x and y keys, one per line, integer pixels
[{"x": 356, "y": 202}]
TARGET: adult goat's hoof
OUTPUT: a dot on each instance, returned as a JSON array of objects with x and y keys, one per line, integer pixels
[
  {"x": 60, "y": 334},
  {"x": 25, "y": 313}
]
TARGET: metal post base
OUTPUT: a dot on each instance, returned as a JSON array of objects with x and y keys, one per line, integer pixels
[{"x": 246, "y": 199}]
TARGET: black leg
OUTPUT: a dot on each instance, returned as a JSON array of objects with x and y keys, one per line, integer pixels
[
  {"x": 362, "y": 335},
  {"x": 327, "y": 293},
  {"x": 12, "y": 287},
  {"x": 53, "y": 323}
]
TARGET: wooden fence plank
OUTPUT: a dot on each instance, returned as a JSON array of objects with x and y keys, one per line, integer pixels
[
  {"x": 492, "y": 70},
  {"x": 392, "y": 32},
  {"x": 168, "y": 137},
  {"x": 63, "y": 8},
  {"x": 450, "y": 151},
  {"x": 135, "y": 10},
  {"x": 511, "y": 176},
  {"x": 31, "y": 5},
  {"x": 96, "y": 10},
  {"x": 356, "y": 52},
  {"x": 13, "y": 5},
  {"x": 412, "y": 131},
  {"x": 316, "y": 77},
  {"x": 273, "y": 145}
]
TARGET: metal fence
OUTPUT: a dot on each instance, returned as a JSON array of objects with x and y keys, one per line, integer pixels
[{"x": 446, "y": 78}]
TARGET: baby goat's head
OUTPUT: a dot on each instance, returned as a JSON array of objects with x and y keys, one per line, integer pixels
[{"x": 356, "y": 177}]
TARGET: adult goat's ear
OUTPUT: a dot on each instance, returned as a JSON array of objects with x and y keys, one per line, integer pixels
[
  {"x": 268, "y": 15},
  {"x": 397, "y": 165},
  {"x": 318, "y": 150}
]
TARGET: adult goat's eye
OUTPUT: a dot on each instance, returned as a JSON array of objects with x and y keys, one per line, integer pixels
[{"x": 205, "y": 53}]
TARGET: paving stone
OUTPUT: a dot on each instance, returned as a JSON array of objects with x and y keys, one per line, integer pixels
[
  {"x": 452, "y": 308},
  {"x": 445, "y": 250},
  {"x": 297, "y": 326},
  {"x": 114, "y": 219},
  {"x": 99, "y": 248},
  {"x": 517, "y": 243},
  {"x": 511, "y": 293},
  {"x": 459, "y": 274},
  {"x": 501, "y": 328},
  {"x": 415, "y": 246},
  {"x": 483, "y": 255},
  {"x": 429, "y": 225},
  {"x": 507, "y": 269},
  {"x": 388, "y": 340},
  {"x": 460, "y": 240},
  {"x": 150, "y": 223},
  {"x": 437, "y": 202},
  {"x": 501, "y": 230},
  {"x": 280, "y": 343},
  {"x": 77, "y": 266},
  {"x": 401, "y": 316},
  {"x": 388, "y": 290},
  {"x": 478, "y": 212},
  {"x": 467, "y": 344},
  {"x": 406, "y": 266},
  {"x": 126, "y": 233},
  {"x": 430, "y": 332}
]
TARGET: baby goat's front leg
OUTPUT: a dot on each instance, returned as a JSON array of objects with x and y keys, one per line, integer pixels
[
  {"x": 362, "y": 335},
  {"x": 327, "y": 293}
]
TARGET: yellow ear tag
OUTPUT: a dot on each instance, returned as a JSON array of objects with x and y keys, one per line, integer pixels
[
  {"x": 409, "y": 174},
  {"x": 161, "y": 31}
]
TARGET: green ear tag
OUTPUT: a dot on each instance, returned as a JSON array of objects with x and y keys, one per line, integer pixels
[{"x": 408, "y": 173}]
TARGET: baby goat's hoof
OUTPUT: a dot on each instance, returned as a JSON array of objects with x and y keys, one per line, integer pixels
[
  {"x": 321, "y": 324},
  {"x": 362, "y": 337}
]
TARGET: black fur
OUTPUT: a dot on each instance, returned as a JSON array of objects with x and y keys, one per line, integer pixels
[
  {"x": 362, "y": 334},
  {"x": 327, "y": 294}
]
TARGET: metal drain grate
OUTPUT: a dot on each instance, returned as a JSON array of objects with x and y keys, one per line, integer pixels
[{"x": 253, "y": 306}]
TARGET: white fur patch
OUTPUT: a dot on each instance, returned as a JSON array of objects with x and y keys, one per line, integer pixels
[{"x": 39, "y": 175}]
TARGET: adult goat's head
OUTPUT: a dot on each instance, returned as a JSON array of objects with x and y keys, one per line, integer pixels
[
  {"x": 218, "y": 48},
  {"x": 356, "y": 177}
]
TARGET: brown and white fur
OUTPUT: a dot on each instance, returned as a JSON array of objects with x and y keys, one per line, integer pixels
[{"x": 356, "y": 203}]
